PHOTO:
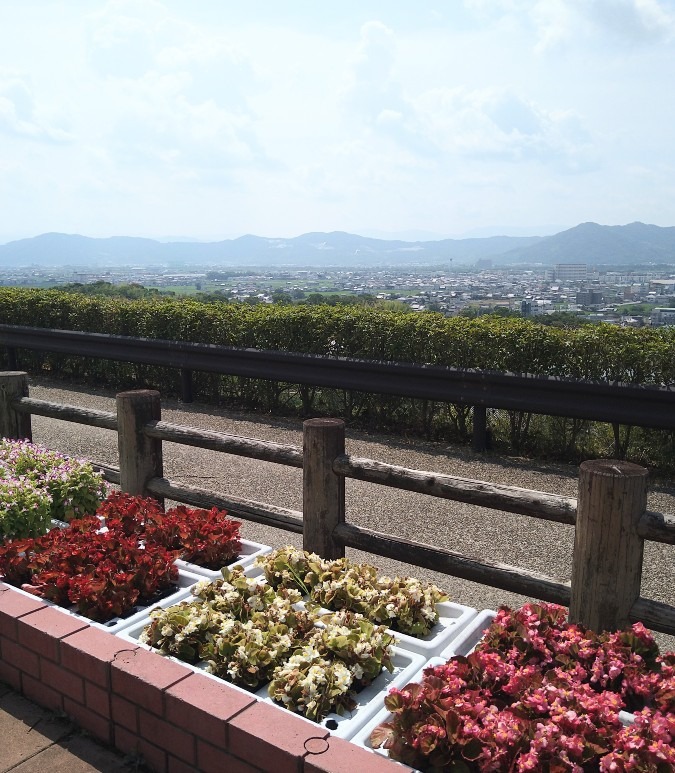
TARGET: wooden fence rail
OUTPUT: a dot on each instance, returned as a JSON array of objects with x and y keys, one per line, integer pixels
[{"x": 610, "y": 519}]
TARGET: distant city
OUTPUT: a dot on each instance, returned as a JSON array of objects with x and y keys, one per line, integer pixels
[
  {"x": 635, "y": 296},
  {"x": 623, "y": 275}
]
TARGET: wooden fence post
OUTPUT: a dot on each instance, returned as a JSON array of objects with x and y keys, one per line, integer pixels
[
  {"x": 323, "y": 492},
  {"x": 140, "y": 456},
  {"x": 607, "y": 563},
  {"x": 14, "y": 425}
]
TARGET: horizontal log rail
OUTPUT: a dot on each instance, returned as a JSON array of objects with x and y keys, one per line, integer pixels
[
  {"x": 642, "y": 406},
  {"x": 511, "y": 499},
  {"x": 498, "y": 575},
  {"x": 89, "y": 416},
  {"x": 231, "y": 444},
  {"x": 110, "y": 473},
  {"x": 657, "y": 527},
  {"x": 654, "y": 526},
  {"x": 654, "y": 614},
  {"x": 259, "y": 512}
]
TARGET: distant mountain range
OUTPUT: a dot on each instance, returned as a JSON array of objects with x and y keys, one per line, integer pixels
[{"x": 586, "y": 243}]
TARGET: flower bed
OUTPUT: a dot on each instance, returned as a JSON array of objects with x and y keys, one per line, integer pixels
[
  {"x": 417, "y": 613},
  {"x": 538, "y": 693},
  {"x": 139, "y": 611},
  {"x": 204, "y": 540},
  {"x": 38, "y": 485},
  {"x": 327, "y": 668},
  {"x": 103, "y": 576},
  {"x": 109, "y": 567}
]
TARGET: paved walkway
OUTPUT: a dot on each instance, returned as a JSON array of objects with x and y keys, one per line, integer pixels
[{"x": 34, "y": 740}]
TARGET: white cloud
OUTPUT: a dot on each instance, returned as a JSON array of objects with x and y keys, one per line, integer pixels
[
  {"x": 21, "y": 117},
  {"x": 153, "y": 112},
  {"x": 638, "y": 21},
  {"x": 557, "y": 22}
]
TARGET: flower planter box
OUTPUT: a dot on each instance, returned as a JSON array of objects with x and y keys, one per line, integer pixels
[
  {"x": 466, "y": 641},
  {"x": 369, "y": 701},
  {"x": 453, "y": 619},
  {"x": 185, "y": 581},
  {"x": 249, "y": 552}
]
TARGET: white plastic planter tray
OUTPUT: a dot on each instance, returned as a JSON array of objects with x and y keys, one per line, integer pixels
[
  {"x": 453, "y": 619},
  {"x": 249, "y": 552},
  {"x": 466, "y": 642},
  {"x": 185, "y": 581},
  {"x": 369, "y": 701}
]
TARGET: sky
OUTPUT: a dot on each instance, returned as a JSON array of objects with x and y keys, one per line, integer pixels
[{"x": 211, "y": 119}]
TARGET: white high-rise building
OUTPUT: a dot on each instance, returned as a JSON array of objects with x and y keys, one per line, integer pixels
[{"x": 571, "y": 272}]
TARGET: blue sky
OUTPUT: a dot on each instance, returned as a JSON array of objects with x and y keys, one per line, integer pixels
[{"x": 212, "y": 119}]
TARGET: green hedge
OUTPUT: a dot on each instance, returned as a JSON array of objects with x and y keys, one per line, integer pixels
[{"x": 597, "y": 352}]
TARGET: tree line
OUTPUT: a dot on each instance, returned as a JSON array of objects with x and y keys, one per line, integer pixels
[{"x": 596, "y": 352}]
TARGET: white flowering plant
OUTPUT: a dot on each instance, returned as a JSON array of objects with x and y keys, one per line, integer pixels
[
  {"x": 248, "y": 633},
  {"x": 290, "y": 567},
  {"x": 404, "y": 604},
  {"x": 240, "y": 627},
  {"x": 309, "y": 683}
]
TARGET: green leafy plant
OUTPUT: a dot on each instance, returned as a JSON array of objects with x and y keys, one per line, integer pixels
[
  {"x": 404, "y": 604},
  {"x": 25, "y": 507},
  {"x": 74, "y": 487}
]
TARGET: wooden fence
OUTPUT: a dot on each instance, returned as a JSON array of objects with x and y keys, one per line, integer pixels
[{"x": 610, "y": 517}]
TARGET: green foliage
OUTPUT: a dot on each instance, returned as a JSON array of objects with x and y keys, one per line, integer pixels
[
  {"x": 598, "y": 352},
  {"x": 131, "y": 291}
]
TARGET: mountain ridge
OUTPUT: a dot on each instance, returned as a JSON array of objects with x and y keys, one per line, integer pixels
[{"x": 589, "y": 243}]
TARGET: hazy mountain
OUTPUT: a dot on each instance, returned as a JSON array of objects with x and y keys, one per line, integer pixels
[
  {"x": 319, "y": 249},
  {"x": 592, "y": 243},
  {"x": 586, "y": 243}
]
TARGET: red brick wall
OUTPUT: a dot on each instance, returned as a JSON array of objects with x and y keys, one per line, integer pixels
[{"x": 142, "y": 703}]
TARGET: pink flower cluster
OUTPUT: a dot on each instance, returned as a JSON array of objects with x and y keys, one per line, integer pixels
[{"x": 538, "y": 694}]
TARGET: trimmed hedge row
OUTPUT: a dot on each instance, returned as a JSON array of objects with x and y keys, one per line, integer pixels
[{"x": 597, "y": 352}]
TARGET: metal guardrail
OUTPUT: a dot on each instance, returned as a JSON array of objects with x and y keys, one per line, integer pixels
[{"x": 642, "y": 406}]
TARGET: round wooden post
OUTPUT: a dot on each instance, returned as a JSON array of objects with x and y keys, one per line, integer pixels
[
  {"x": 607, "y": 564},
  {"x": 140, "y": 456},
  {"x": 323, "y": 492},
  {"x": 14, "y": 425}
]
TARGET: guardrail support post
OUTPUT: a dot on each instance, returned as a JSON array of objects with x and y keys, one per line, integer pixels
[
  {"x": 14, "y": 425},
  {"x": 140, "y": 456},
  {"x": 12, "y": 358},
  {"x": 185, "y": 385},
  {"x": 607, "y": 563},
  {"x": 479, "y": 438},
  {"x": 323, "y": 492}
]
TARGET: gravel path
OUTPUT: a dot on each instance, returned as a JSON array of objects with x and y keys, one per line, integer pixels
[{"x": 474, "y": 531}]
